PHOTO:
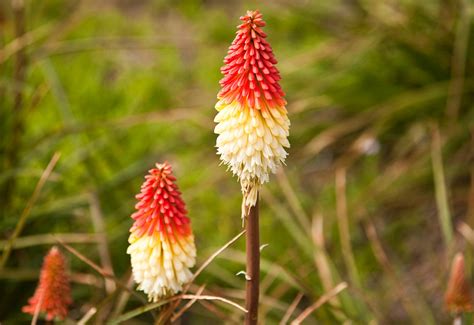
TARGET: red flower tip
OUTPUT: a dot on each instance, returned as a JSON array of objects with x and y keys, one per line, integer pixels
[
  {"x": 250, "y": 75},
  {"x": 160, "y": 207},
  {"x": 53, "y": 294},
  {"x": 253, "y": 17},
  {"x": 458, "y": 296}
]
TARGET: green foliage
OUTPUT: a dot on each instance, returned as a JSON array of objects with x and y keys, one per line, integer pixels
[{"x": 117, "y": 86}]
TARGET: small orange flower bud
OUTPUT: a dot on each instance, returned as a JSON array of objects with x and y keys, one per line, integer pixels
[
  {"x": 53, "y": 294},
  {"x": 458, "y": 294}
]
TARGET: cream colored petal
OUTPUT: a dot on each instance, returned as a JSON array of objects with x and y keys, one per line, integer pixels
[
  {"x": 251, "y": 142},
  {"x": 161, "y": 267}
]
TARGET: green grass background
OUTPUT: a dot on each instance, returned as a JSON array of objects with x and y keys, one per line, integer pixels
[{"x": 377, "y": 91}]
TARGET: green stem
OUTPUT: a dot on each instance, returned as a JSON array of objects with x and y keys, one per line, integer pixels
[{"x": 440, "y": 187}]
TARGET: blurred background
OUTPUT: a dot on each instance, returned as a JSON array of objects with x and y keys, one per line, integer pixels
[{"x": 378, "y": 190}]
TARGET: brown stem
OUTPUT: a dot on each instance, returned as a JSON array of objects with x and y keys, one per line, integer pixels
[
  {"x": 165, "y": 313},
  {"x": 253, "y": 265}
]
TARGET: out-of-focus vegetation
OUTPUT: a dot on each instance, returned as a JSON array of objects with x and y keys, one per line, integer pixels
[{"x": 378, "y": 190}]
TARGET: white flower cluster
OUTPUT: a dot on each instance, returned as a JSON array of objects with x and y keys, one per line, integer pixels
[
  {"x": 161, "y": 266},
  {"x": 251, "y": 143}
]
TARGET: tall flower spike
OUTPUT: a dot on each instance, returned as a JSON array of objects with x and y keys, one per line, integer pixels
[
  {"x": 252, "y": 121},
  {"x": 458, "y": 297},
  {"x": 161, "y": 241},
  {"x": 53, "y": 294}
]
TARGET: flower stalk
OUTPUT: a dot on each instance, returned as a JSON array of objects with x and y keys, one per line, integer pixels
[
  {"x": 253, "y": 264},
  {"x": 253, "y": 128}
]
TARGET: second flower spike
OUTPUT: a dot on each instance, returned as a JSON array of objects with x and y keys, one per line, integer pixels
[
  {"x": 161, "y": 240},
  {"x": 53, "y": 294},
  {"x": 253, "y": 126}
]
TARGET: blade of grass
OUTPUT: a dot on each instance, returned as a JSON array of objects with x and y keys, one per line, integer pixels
[
  {"x": 23, "y": 41},
  {"x": 87, "y": 279},
  {"x": 180, "y": 312},
  {"x": 269, "y": 279},
  {"x": 169, "y": 115},
  {"x": 343, "y": 226},
  {"x": 99, "y": 228},
  {"x": 416, "y": 308},
  {"x": 24, "y": 215},
  {"x": 205, "y": 264},
  {"x": 292, "y": 199},
  {"x": 38, "y": 309},
  {"x": 87, "y": 316},
  {"x": 149, "y": 307},
  {"x": 321, "y": 301},
  {"x": 213, "y": 309},
  {"x": 19, "y": 274},
  {"x": 440, "y": 187},
  {"x": 99, "y": 270},
  {"x": 300, "y": 237},
  {"x": 274, "y": 301},
  {"x": 224, "y": 275},
  {"x": 48, "y": 239},
  {"x": 217, "y": 298},
  {"x": 292, "y": 308},
  {"x": 212, "y": 257},
  {"x": 380, "y": 113},
  {"x": 467, "y": 232},
  {"x": 324, "y": 265},
  {"x": 266, "y": 266},
  {"x": 123, "y": 297},
  {"x": 458, "y": 62},
  {"x": 470, "y": 198},
  {"x": 13, "y": 145}
]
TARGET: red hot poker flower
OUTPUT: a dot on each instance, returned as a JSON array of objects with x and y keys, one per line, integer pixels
[
  {"x": 161, "y": 241},
  {"x": 53, "y": 294},
  {"x": 458, "y": 296},
  {"x": 252, "y": 121},
  {"x": 250, "y": 75}
]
